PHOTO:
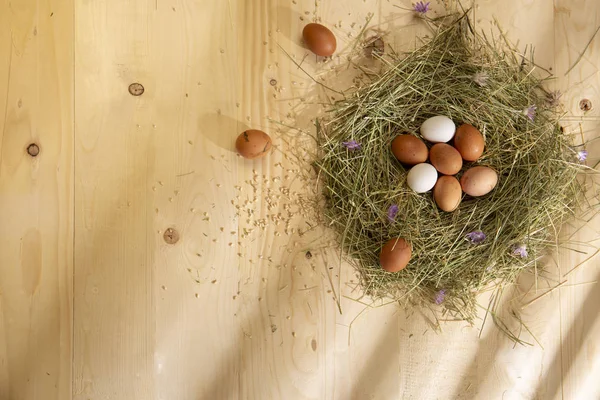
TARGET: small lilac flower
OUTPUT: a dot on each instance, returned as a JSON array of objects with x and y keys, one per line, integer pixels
[
  {"x": 582, "y": 155},
  {"x": 529, "y": 112},
  {"x": 520, "y": 250},
  {"x": 392, "y": 212},
  {"x": 440, "y": 296},
  {"x": 421, "y": 7},
  {"x": 352, "y": 145},
  {"x": 476, "y": 237},
  {"x": 481, "y": 78}
]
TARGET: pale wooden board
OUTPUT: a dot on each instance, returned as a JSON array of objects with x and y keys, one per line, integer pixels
[
  {"x": 235, "y": 309},
  {"x": 575, "y": 24},
  {"x": 36, "y": 199},
  {"x": 114, "y": 282}
]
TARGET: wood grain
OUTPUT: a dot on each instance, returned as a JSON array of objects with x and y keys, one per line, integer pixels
[
  {"x": 114, "y": 292},
  {"x": 576, "y": 24},
  {"x": 36, "y": 199},
  {"x": 245, "y": 302}
]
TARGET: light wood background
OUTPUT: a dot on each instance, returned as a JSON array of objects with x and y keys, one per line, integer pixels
[{"x": 95, "y": 305}]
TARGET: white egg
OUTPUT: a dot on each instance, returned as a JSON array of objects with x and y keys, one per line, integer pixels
[
  {"x": 438, "y": 129},
  {"x": 422, "y": 177}
]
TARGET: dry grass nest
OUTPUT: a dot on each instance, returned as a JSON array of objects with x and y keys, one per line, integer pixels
[{"x": 471, "y": 78}]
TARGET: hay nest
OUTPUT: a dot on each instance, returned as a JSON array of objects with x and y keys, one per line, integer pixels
[{"x": 471, "y": 79}]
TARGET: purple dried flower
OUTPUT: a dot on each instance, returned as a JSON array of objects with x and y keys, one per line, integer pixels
[
  {"x": 529, "y": 112},
  {"x": 352, "y": 145},
  {"x": 421, "y": 7},
  {"x": 582, "y": 155},
  {"x": 476, "y": 237},
  {"x": 440, "y": 296},
  {"x": 392, "y": 212},
  {"x": 481, "y": 78},
  {"x": 520, "y": 250}
]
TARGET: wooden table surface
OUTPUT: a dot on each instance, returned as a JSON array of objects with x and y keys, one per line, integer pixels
[{"x": 96, "y": 305}]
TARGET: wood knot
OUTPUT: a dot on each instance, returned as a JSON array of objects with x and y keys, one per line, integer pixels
[
  {"x": 171, "y": 236},
  {"x": 33, "y": 150},
  {"x": 136, "y": 89},
  {"x": 374, "y": 47},
  {"x": 585, "y": 105}
]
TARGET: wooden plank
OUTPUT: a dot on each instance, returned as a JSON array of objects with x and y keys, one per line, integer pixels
[
  {"x": 199, "y": 307},
  {"x": 577, "y": 65},
  {"x": 114, "y": 291},
  {"x": 498, "y": 369},
  {"x": 36, "y": 199}
]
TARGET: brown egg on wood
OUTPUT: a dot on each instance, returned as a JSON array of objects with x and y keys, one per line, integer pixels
[
  {"x": 469, "y": 142},
  {"x": 445, "y": 158},
  {"x": 253, "y": 144},
  {"x": 447, "y": 193},
  {"x": 319, "y": 39},
  {"x": 395, "y": 255},
  {"x": 479, "y": 181},
  {"x": 409, "y": 149}
]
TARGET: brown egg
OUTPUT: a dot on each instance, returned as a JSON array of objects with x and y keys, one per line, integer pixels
[
  {"x": 447, "y": 193},
  {"x": 445, "y": 158},
  {"x": 469, "y": 142},
  {"x": 395, "y": 255},
  {"x": 409, "y": 149},
  {"x": 319, "y": 39},
  {"x": 253, "y": 144},
  {"x": 478, "y": 181}
]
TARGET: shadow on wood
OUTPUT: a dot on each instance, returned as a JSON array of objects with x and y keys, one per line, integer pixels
[
  {"x": 221, "y": 130},
  {"x": 376, "y": 369},
  {"x": 578, "y": 333}
]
